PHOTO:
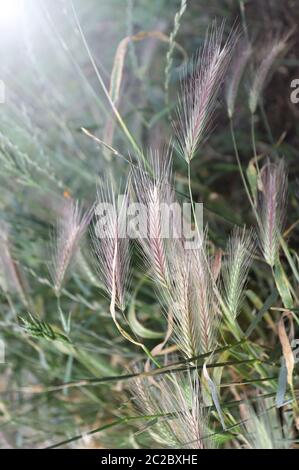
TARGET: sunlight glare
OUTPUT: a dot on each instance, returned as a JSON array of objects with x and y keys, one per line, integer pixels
[{"x": 10, "y": 11}]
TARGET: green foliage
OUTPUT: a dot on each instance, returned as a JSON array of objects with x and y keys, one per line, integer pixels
[
  {"x": 69, "y": 374},
  {"x": 40, "y": 329}
]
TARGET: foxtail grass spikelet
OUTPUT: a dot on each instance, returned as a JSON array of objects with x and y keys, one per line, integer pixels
[
  {"x": 239, "y": 250},
  {"x": 200, "y": 90},
  {"x": 270, "y": 53},
  {"x": 239, "y": 62},
  {"x": 271, "y": 208},
  {"x": 175, "y": 400},
  {"x": 112, "y": 248},
  {"x": 71, "y": 227}
]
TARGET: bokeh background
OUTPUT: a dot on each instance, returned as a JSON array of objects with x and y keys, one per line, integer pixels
[{"x": 51, "y": 92}]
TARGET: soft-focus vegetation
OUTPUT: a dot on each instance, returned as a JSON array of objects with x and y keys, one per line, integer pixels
[{"x": 93, "y": 93}]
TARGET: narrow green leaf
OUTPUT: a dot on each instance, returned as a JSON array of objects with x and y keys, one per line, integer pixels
[
  {"x": 137, "y": 327},
  {"x": 268, "y": 303},
  {"x": 282, "y": 384},
  {"x": 282, "y": 285},
  {"x": 251, "y": 174},
  {"x": 214, "y": 394}
]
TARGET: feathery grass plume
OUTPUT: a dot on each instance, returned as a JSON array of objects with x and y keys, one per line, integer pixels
[
  {"x": 112, "y": 247},
  {"x": 153, "y": 189},
  {"x": 200, "y": 90},
  {"x": 7, "y": 274},
  {"x": 183, "y": 276},
  {"x": 186, "y": 327},
  {"x": 263, "y": 429},
  {"x": 176, "y": 402},
  {"x": 240, "y": 249},
  {"x": 271, "y": 208},
  {"x": 205, "y": 300},
  {"x": 10, "y": 278},
  {"x": 270, "y": 52},
  {"x": 71, "y": 227},
  {"x": 191, "y": 297},
  {"x": 239, "y": 62}
]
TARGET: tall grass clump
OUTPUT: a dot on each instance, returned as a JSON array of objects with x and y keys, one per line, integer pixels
[{"x": 144, "y": 336}]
